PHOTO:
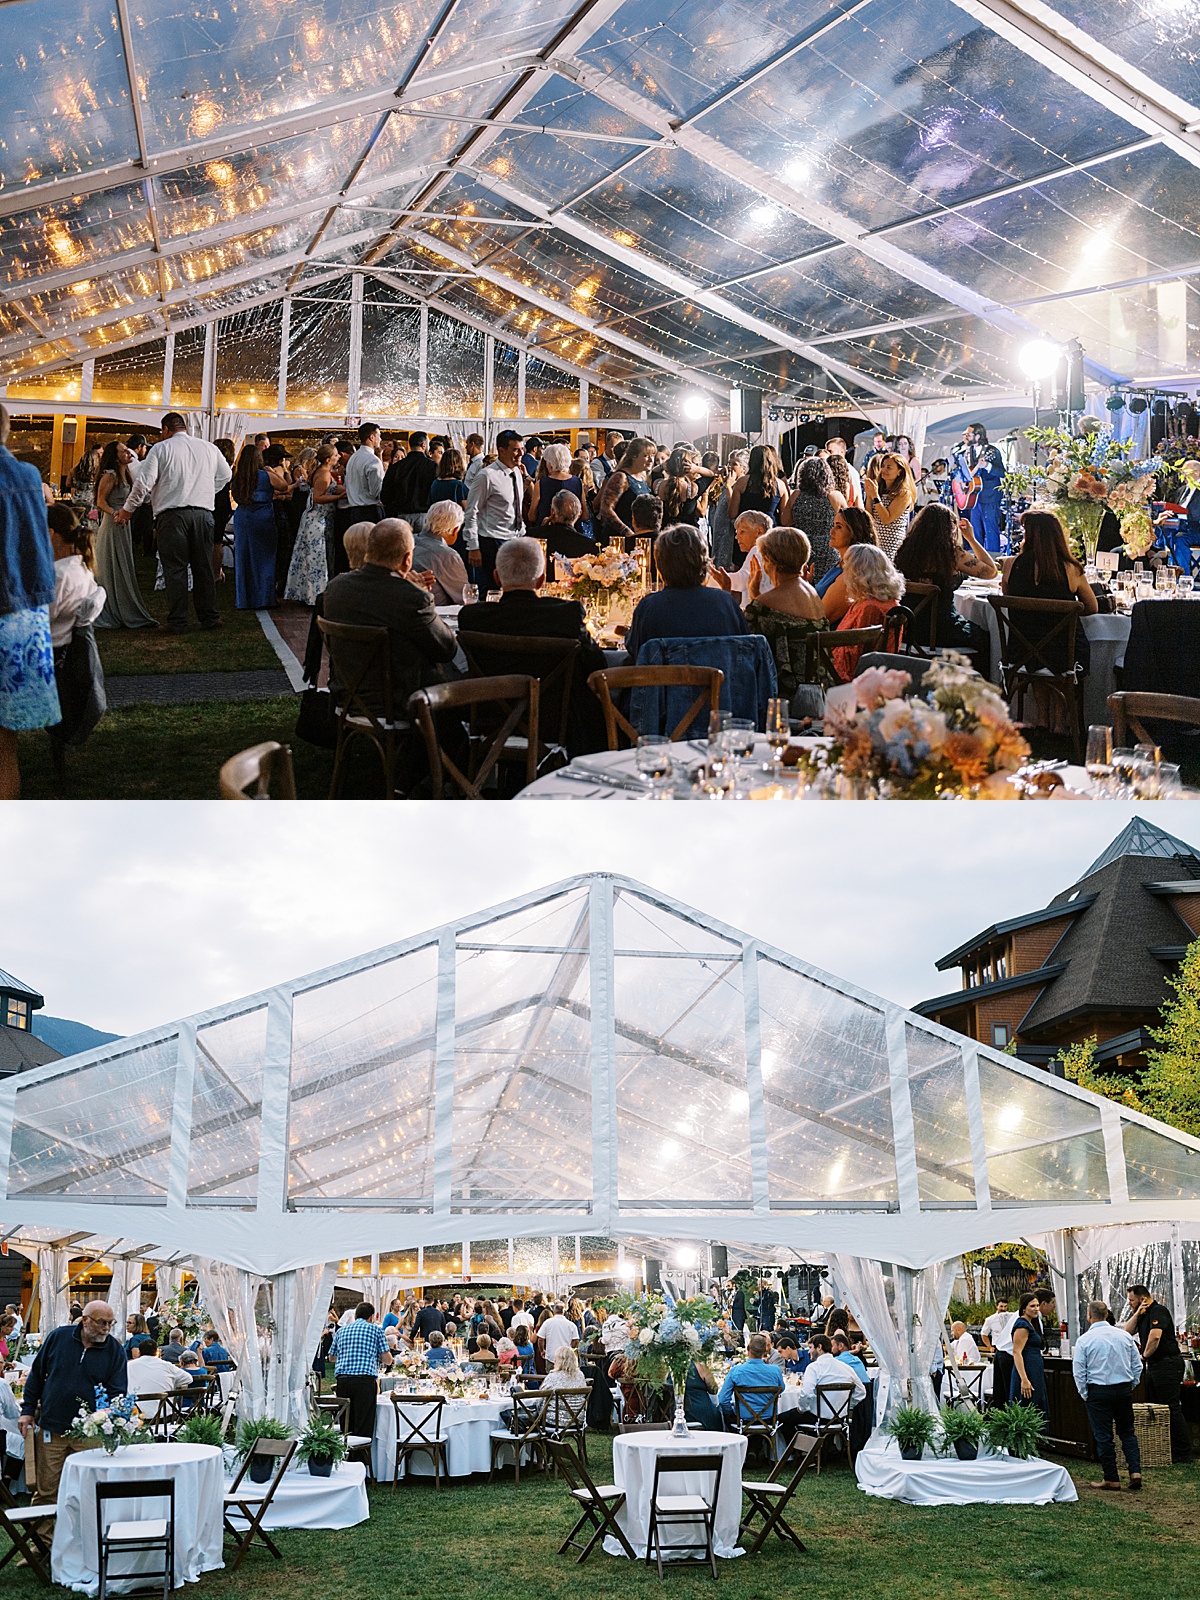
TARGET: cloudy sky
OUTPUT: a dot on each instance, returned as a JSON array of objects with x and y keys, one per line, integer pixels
[{"x": 127, "y": 915}]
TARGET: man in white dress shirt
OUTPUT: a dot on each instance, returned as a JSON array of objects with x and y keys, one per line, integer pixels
[
  {"x": 494, "y": 506},
  {"x": 180, "y": 477},
  {"x": 557, "y": 1332},
  {"x": 996, "y": 1334},
  {"x": 1107, "y": 1365},
  {"x": 362, "y": 487}
]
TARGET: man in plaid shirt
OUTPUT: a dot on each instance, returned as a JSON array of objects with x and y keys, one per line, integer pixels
[{"x": 357, "y": 1350}]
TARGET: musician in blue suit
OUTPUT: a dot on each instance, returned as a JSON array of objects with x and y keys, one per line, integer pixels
[{"x": 979, "y": 459}]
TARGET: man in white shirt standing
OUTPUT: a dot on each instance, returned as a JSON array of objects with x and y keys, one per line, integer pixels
[
  {"x": 996, "y": 1334},
  {"x": 556, "y": 1332},
  {"x": 494, "y": 506},
  {"x": 180, "y": 477},
  {"x": 363, "y": 486},
  {"x": 837, "y": 447},
  {"x": 1107, "y": 1365},
  {"x": 474, "y": 448}
]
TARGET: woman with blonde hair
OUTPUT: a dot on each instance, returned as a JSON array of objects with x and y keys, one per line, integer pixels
[
  {"x": 790, "y": 610},
  {"x": 566, "y": 1372},
  {"x": 890, "y": 495},
  {"x": 874, "y": 587}
]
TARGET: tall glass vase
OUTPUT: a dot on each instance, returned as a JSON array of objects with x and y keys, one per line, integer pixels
[{"x": 1082, "y": 519}]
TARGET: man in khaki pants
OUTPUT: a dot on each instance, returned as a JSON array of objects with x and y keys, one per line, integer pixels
[{"x": 73, "y": 1361}]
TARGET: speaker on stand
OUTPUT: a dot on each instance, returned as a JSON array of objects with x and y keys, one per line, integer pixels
[{"x": 652, "y": 1273}]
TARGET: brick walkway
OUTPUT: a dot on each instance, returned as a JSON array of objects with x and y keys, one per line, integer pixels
[{"x": 187, "y": 688}]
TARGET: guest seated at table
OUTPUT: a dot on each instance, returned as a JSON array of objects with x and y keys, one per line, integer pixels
[
  {"x": 940, "y": 547},
  {"x": 506, "y": 1353},
  {"x": 684, "y": 608},
  {"x": 174, "y": 1347},
  {"x": 215, "y": 1355},
  {"x": 755, "y": 1372},
  {"x": 139, "y": 1335},
  {"x": 749, "y": 580},
  {"x": 842, "y": 1352},
  {"x": 966, "y": 1351},
  {"x": 874, "y": 587},
  {"x": 790, "y": 611},
  {"x": 197, "y": 1376},
  {"x": 354, "y": 541},
  {"x": 787, "y": 1355},
  {"x": 635, "y": 1398},
  {"x": 698, "y": 1403},
  {"x": 483, "y": 1355},
  {"x": 824, "y": 1367},
  {"x": 565, "y": 1372},
  {"x": 852, "y": 525},
  {"x": 148, "y": 1375},
  {"x": 438, "y": 1355},
  {"x": 1046, "y": 570},
  {"x": 561, "y": 531},
  {"x": 432, "y": 553}
]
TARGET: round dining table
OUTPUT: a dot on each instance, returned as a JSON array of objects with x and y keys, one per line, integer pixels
[
  {"x": 613, "y": 775},
  {"x": 634, "y": 1456},
  {"x": 467, "y": 1428},
  {"x": 197, "y": 1471}
]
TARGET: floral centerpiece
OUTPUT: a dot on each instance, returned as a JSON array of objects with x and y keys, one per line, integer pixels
[
  {"x": 604, "y": 577},
  {"x": 112, "y": 1423},
  {"x": 184, "y": 1310},
  {"x": 666, "y": 1340},
  {"x": 1083, "y": 477},
  {"x": 958, "y": 740}
]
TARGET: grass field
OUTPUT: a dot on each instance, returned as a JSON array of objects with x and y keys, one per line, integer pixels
[
  {"x": 474, "y": 1539},
  {"x": 240, "y": 646}
]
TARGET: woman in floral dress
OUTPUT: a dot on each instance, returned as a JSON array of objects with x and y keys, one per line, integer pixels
[{"x": 308, "y": 573}]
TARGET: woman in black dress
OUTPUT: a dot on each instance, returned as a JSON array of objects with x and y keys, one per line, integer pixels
[{"x": 1046, "y": 570}]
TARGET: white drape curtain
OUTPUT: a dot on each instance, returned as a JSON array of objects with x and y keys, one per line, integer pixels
[
  {"x": 860, "y": 1282},
  {"x": 381, "y": 1290},
  {"x": 229, "y": 1296},
  {"x": 914, "y": 421},
  {"x": 53, "y": 1271},
  {"x": 931, "y": 1296},
  {"x": 125, "y": 1292},
  {"x": 299, "y": 1301},
  {"x": 168, "y": 1282}
]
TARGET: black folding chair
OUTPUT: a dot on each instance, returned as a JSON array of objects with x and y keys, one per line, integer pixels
[
  {"x": 419, "y": 1431},
  {"x": 137, "y": 1535},
  {"x": 683, "y": 1510},
  {"x": 30, "y": 1531},
  {"x": 756, "y": 1413},
  {"x": 526, "y": 1432},
  {"x": 598, "y": 1503},
  {"x": 251, "y": 1502},
  {"x": 769, "y": 1499}
]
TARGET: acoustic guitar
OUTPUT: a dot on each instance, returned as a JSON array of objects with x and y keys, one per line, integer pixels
[{"x": 966, "y": 491}]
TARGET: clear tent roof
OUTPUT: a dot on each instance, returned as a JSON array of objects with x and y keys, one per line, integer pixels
[
  {"x": 844, "y": 200},
  {"x": 595, "y": 1060}
]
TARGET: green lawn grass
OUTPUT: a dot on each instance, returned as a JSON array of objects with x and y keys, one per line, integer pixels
[
  {"x": 240, "y": 646},
  {"x": 472, "y": 1538}
]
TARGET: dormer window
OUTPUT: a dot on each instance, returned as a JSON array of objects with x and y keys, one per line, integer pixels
[{"x": 16, "y": 1014}]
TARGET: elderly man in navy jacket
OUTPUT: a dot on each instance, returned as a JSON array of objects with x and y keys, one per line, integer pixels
[{"x": 72, "y": 1363}]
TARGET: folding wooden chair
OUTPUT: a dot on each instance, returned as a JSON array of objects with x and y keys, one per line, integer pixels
[
  {"x": 835, "y": 1402},
  {"x": 419, "y": 1431},
  {"x": 551, "y": 661},
  {"x": 643, "y": 1427},
  {"x": 566, "y": 1416},
  {"x": 1127, "y": 709},
  {"x": 30, "y": 1531},
  {"x": 756, "y": 1414},
  {"x": 525, "y": 1432},
  {"x": 598, "y": 1503},
  {"x": 1030, "y": 654},
  {"x": 707, "y": 679},
  {"x": 360, "y": 660},
  {"x": 512, "y": 731},
  {"x": 337, "y": 1409},
  {"x": 769, "y": 1499},
  {"x": 165, "y": 1413},
  {"x": 683, "y": 1510},
  {"x": 267, "y": 766},
  {"x": 252, "y": 1501},
  {"x": 137, "y": 1535}
]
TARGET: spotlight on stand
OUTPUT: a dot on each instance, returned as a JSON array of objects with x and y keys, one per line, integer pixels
[
  {"x": 1138, "y": 404},
  {"x": 1115, "y": 401},
  {"x": 695, "y": 407},
  {"x": 1039, "y": 359}
]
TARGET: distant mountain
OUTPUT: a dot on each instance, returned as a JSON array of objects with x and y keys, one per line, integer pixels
[{"x": 68, "y": 1038}]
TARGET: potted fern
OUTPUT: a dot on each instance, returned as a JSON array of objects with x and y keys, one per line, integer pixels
[
  {"x": 200, "y": 1430},
  {"x": 912, "y": 1430},
  {"x": 250, "y": 1430},
  {"x": 963, "y": 1429},
  {"x": 1016, "y": 1429},
  {"x": 321, "y": 1444}
]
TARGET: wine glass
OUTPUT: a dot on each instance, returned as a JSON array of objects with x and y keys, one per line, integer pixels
[
  {"x": 1183, "y": 585},
  {"x": 739, "y": 738},
  {"x": 470, "y": 594},
  {"x": 779, "y": 731},
  {"x": 1099, "y": 755},
  {"x": 1124, "y": 762},
  {"x": 653, "y": 758}
]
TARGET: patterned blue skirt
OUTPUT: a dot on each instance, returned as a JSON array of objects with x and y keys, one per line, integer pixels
[{"x": 28, "y": 695}]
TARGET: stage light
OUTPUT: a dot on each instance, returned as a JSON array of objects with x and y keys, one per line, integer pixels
[
  {"x": 686, "y": 1258},
  {"x": 1115, "y": 401},
  {"x": 1138, "y": 404},
  {"x": 695, "y": 407},
  {"x": 1039, "y": 358}
]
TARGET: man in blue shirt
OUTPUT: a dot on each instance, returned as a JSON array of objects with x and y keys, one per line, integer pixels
[
  {"x": 357, "y": 1350},
  {"x": 756, "y": 1372},
  {"x": 843, "y": 1352},
  {"x": 214, "y": 1354},
  {"x": 787, "y": 1354},
  {"x": 1107, "y": 1366}
]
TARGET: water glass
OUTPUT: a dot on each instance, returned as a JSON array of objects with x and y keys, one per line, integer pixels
[
  {"x": 1184, "y": 584},
  {"x": 739, "y": 738},
  {"x": 1169, "y": 785},
  {"x": 470, "y": 594},
  {"x": 1099, "y": 754},
  {"x": 1124, "y": 761},
  {"x": 653, "y": 758}
]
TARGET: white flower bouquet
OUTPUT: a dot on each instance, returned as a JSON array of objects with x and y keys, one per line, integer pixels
[{"x": 111, "y": 1423}]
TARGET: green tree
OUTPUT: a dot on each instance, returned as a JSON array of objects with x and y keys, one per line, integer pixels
[
  {"x": 1079, "y": 1066},
  {"x": 1170, "y": 1085}
]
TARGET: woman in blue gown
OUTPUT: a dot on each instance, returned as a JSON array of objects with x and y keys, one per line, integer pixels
[
  {"x": 254, "y": 531},
  {"x": 1028, "y": 1381}
]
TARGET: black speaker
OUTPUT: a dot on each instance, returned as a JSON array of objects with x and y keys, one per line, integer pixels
[
  {"x": 718, "y": 1257},
  {"x": 653, "y": 1276},
  {"x": 751, "y": 410}
]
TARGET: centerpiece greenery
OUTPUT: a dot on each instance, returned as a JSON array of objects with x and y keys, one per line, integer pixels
[
  {"x": 962, "y": 1430},
  {"x": 957, "y": 740},
  {"x": 913, "y": 1429},
  {"x": 185, "y": 1310},
  {"x": 667, "y": 1338},
  {"x": 111, "y": 1423},
  {"x": 321, "y": 1445},
  {"x": 1015, "y": 1428},
  {"x": 1085, "y": 475}
]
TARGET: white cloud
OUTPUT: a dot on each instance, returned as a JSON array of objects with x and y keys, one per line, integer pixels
[{"x": 125, "y": 915}]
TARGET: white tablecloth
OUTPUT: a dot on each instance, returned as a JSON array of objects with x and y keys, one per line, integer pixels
[
  {"x": 633, "y": 1470},
  {"x": 622, "y": 764},
  {"x": 303, "y": 1501},
  {"x": 199, "y": 1484},
  {"x": 467, "y": 1427},
  {"x": 947, "y": 1481},
  {"x": 1107, "y": 634}
]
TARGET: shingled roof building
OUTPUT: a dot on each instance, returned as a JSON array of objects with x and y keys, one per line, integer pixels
[
  {"x": 19, "y": 1046},
  {"x": 1094, "y": 961}
]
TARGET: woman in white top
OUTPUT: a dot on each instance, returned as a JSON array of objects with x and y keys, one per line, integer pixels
[{"x": 566, "y": 1372}]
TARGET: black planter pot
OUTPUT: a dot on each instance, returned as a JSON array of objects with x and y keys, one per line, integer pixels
[
  {"x": 260, "y": 1469},
  {"x": 912, "y": 1452},
  {"x": 319, "y": 1468},
  {"x": 965, "y": 1450}
]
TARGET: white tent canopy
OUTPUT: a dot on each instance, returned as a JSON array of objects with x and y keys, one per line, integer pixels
[
  {"x": 592, "y": 1059},
  {"x": 326, "y": 210}
]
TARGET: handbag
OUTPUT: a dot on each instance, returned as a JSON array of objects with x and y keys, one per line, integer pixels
[{"x": 317, "y": 720}]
